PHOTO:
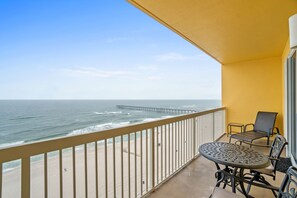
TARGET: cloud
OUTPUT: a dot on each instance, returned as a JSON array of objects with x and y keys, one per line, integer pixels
[
  {"x": 179, "y": 57},
  {"x": 94, "y": 72}
]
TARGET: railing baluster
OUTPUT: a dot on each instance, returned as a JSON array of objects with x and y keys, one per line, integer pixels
[
  {"x": 178, "y": 144},
  {"x": 165, "y": 145},
  {"x": 25, "y": 178},
  {"x": 146, "y": 160},
  {"x": 186, "y": 141},
  {"x": 86, "y": 168},
  {"x": 61, "y": 172},
  {"x": 1, "y": 172},
  {"x": 96, "y": 168},
  {"x": 45, "y": 176},
  {"x": 114, "y": 168},
  {"x": 189, "y": 140},
  {"x": 74, "y": 171},
  {"x": 194, "y": 137},
  {"x": 169, "y": 148},
  {"x": 129, "y": 175},
  {"x": 141, "y": 168},
  {"x": 189, "y": 137},
  {"x": 153, "y": 157},
  {"x": 106, "y": 173},
  {"x": 175, "y": 145},
  {"x": 157, "y": 150},
  {"x": 122, "y": 167},
  {"x": 162, "y": 144},
  {"x": 180, "y": 150},
  {"x": 172, "y": 147},
  {"x": 213, "y": 126},
  {"x": 135, "y": 164}
]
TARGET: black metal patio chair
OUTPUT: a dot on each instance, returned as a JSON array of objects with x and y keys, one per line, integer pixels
[
  {"x": 263, "y": 127},
  {"x": 288, "y": 188},
  {"x": 275, "y": 152}
]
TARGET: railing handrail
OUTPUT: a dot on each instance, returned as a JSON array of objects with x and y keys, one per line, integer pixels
[{"x": 44, "y": 146}]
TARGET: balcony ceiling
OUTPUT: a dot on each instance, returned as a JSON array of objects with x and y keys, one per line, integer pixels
[{"x": 229, "y": 31}]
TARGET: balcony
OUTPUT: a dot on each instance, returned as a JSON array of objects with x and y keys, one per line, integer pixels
[
  {"x": 197, "y": 179},
  {"x": 130, "y": 161}
]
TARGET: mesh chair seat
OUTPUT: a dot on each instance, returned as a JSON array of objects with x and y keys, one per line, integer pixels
[
  {"x": 263, "y": 127},
  {"x": 249, "y": 136},
  {"x": 267, "y": 171}
]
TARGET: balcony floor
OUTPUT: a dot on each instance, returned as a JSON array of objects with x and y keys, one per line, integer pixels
[{"x": 197, "y": 180}]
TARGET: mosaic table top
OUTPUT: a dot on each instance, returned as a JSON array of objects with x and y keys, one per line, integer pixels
[{"x": 233, "y": 155}]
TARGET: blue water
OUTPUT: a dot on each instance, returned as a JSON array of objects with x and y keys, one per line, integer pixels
[{"x": 23, "y": 121}]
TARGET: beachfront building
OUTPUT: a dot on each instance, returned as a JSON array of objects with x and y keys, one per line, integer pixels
[{"x": 251, "y": 41}]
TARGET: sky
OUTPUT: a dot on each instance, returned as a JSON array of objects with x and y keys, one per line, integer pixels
[{"x": 97, "y": 49}]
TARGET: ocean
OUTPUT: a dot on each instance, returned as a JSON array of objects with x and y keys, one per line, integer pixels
[{"x": 23, "y": 121}]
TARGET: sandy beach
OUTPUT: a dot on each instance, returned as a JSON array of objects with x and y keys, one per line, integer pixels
[{"x": 12, "y": 178}]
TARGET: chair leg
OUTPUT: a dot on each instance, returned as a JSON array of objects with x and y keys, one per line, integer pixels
[
  {"x": 250, "y": 184},
  {"x": 251, "y": 144},
  {"x": 230, "y": 139},
  {"x": 268, "y": 140}
]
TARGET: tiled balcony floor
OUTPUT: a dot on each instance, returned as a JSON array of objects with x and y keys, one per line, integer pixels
[{"x": 197, "y": 180}]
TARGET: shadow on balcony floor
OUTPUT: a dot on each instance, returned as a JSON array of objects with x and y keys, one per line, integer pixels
[{"x": 198, "y": 180}]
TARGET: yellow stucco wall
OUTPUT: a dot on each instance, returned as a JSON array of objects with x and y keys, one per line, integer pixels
[{"x": 252, "y": 86}]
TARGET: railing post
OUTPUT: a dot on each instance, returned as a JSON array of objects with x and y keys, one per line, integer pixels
[
  {"x": 153, "y": 157},
  {"x": 25, "y": 180}
]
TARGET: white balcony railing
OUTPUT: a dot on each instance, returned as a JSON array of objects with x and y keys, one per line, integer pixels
[{"x": 129, "y": 161}]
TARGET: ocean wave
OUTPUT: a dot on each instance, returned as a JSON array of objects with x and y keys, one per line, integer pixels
[
  {"x": 108, "y": 125},
  {"x": 108, "y": 112},
  {"x": 24, "y": 117},
  {"x": 10, "y": 144},
  {"x": 150, "y": 119},
  {"x": 98, "y": 127},
  {"x": 167, "y": 116}
]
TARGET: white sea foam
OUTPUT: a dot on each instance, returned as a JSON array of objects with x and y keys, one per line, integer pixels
[
  {"x": 10, "y": 144},
  {"x": 98, "y": 127},
  {"x": 98, "y": 113},
  {"x": 167, "y": 116},
  {"x": 108, "y": 112},
  {"x": 150, "y": 119}
]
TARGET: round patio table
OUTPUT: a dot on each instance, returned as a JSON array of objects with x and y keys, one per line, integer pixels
[{"x": 236, "y": 156}]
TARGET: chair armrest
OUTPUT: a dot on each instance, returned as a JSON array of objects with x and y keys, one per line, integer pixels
[
  {"x": 273, "y": 158},
  {"x": 277, "y": 130},
  {"x": 250, "y": 124},
  {"x": 272, "y": 131}
]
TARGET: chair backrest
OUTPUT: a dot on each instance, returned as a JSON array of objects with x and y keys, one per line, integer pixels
[
  {"x": 265, "y": 121},
  {"x": 276, "y": 149},
  {"x": 288, "y": 188}
]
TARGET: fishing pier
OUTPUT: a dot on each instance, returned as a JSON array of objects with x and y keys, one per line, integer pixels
[{"x": 156, "y": 109}]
